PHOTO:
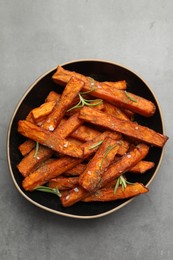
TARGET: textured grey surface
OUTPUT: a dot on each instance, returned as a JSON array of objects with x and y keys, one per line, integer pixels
[{"x": 38, "y": 35}]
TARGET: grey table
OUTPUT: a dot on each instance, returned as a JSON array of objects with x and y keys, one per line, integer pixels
[{"x": 38, "y": 35}]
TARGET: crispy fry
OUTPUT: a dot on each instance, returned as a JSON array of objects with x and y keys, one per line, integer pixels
[
  {"x": 108, "y": 194},
  {"x": 70, "y": 92},
  {"x": 114, "y": 111},
  {"x": 26, "y": 146},
  {"x": 33, "y": 160},
  {"x": 101, "y": 90},
  {"x": 117, "y": 84},
  {"x": 40, "y": 113},
  {"x": 76, "y": 171},
  {"x": 114, "y": 171},
  {"x": 141, "y": 167},
  {"x": 125, "y": 127},
  {"x": 63, "y": 183},
  {"x": 85, "y": 133},
  {"x": 53, "y": 96},
  {"x": 53, "y": 169},
  {"x": 68, "y": 126},
  {"x": 97, "y": 165},
  {"x": 91, "y": 146},
  {"x": 126, "y": 162},
  {"x": 49, "y": 139},
  {"x": 50, "y": 170}
]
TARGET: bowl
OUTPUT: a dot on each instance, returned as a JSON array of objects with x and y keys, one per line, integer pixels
[{"x": 102, "y": 71}]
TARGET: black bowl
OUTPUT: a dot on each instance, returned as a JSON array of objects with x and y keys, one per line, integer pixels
[{"x": 35, "y": 95}]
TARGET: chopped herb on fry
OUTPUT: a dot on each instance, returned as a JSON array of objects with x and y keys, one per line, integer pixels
[
  {"x": 95, "y": 145},
  {"x": 49, "y": 190},
  {"x": 86, "y": 102},
  {"x": 109, "y": 148},
  {"x": 121, "y": 181},
  {"x": 127, "y": 94},
  {"x": 36, "y": 149}
]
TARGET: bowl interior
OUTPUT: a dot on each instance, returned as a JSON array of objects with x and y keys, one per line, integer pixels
[{"x": 35, "y": 96}]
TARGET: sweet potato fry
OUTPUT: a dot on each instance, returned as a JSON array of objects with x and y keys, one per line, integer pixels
[
  {"x": 49, "y": 139},
  {"x": 117, "y": 84},
  {"x": 97, "y": 165},
  {"x": 120, "y": 98},
  {"x": 108, "y": 194},
  {"x": 85, "y": 133},
  {"x": 70, "y": 92},
  {"x": 76, "y": 171},
  {"x": 40, "y": 113},
  {"x": 125, "y": 127},
  {"x": 53, "y": 169},
  {"x": 91, "y": 146},
  {"x": 126, "y": 162},
  {"x": 63, "y": 183},
  {"x": 114, "y": 111},
  {"x": 53, "y": 96},
  {"x": 26, "y": 147},
  {"x": 50, "y": 170},
  {"x": 141, "y": 167},
  {"x": 68, "y": 126},
  {"x": 33, "y": 160},
  {"x": 114, "y": 171}
]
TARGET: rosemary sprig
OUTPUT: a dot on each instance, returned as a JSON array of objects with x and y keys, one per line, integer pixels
[
  {"x": 109, "y": 148},
  {"x": 86, "y": 102},
  {"x": 131, "y": 98},
  {"x": 95, "y": 145},
  {"x": 49, "y": 190},
  {"x": 36, "y": 149},
  {"x": 121, "y": 181}
]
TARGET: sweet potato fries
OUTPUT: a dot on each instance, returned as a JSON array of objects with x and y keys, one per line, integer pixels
[{"x": 81, "y": 143}]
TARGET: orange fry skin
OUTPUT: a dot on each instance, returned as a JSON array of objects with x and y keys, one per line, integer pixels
[
  {"x": 117, "y": 84},
  {"x": 41, "y": 112},
  {"x": 49, "y": 139},
  {"x": 141, "y": 167},
  {"x": 26, "y": 146},
  {"x": 125, "y": 127},
  {"x": 106, "y": 194},
  {"x": 53, "y": 169},
  {"x": 49, "y": 170},
  {"x": 33, "y": 160},
  {"x": 85, "y": 133},
  {"x": 114, "y": 111},
  {"x": 76, "y": 171},
  {"x": 114, "y": 171},
  {"x": 63, "y": 183},
  {"x": 53, "y": 96},
  {"x": 70, "y": 92},
  {"x": 101, "y": 90},
  {"x": 97, "y": 165}
]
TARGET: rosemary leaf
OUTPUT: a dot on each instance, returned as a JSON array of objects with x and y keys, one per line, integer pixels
[
  {"x": 36, "y": 149},
  {"x": 109, "y": 148},
  {"x": 86, "y": 102},
  {"x": 117, "y": 185},
  {"x": 121, "y": 181},
  {"x": 95, "y": 145},
  {"x": 132, "y": 99},
  {"x": 49, "y": 190}
]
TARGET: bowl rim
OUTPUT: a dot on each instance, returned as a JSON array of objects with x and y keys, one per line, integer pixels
[{"x": 31, "y": 86}]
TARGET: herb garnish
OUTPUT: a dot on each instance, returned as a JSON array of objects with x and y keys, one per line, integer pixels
[
  {"x": 109, "y": 148},
  {"x": 121, "y": 181},
  {"x": 49, "y": 190},
  {"x": 36, "y": 149},
  {"x": 95, "y": 145},
  {"x": 86, "y": 102},
  {"x": 127, "y": 94}
]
